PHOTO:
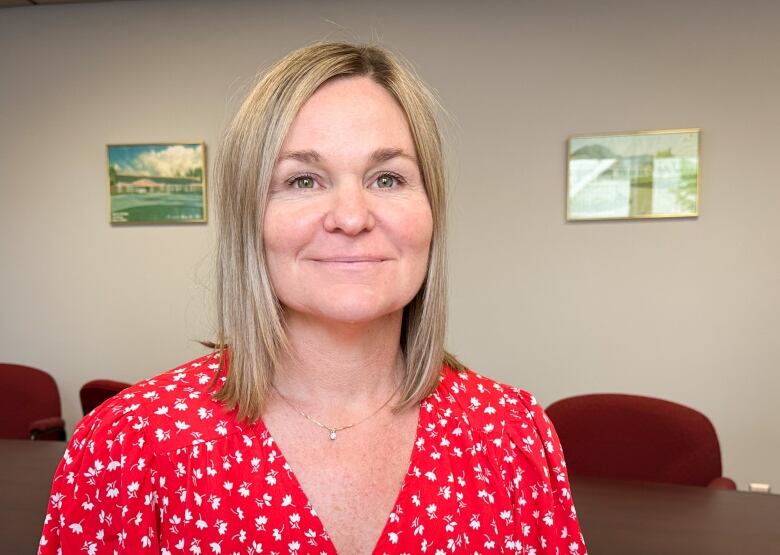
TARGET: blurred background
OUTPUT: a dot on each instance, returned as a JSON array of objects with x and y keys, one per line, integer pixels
[{"x": 683, "y": 309}]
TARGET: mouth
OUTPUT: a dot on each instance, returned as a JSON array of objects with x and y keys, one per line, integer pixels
[
  {"x": 350, "y": 259},
  {"x": 350, "y": 263}
]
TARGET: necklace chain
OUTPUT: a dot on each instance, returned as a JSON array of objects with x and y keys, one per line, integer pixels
[{"x": 334, "y": 429}]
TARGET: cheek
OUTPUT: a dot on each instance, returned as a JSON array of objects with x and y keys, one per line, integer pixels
[
  {"x": 284, "y": 234},
  {"x": 273, "y": 242},
  {"x": 416, "y": 238},
  {"x": 417, "y": 230}
]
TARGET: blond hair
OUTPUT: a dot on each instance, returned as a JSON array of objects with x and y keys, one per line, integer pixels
[{"x": 250, "y": 326}]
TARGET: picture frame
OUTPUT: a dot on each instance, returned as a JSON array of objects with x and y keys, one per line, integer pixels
[
  {"x": 637, "y": 175},
  {"x": 157, "y": 183}
]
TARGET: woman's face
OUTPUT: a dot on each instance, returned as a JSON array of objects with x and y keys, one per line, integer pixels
[{"x": 348, "y": 225}]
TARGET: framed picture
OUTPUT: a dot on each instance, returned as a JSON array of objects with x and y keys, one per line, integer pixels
[
  {"x": 157, "y": 183},
  {"x": 649, "y": 174}
]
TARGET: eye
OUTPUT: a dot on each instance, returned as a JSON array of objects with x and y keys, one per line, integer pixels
[
  {"x": 302, "y": 182},
  {"x": 388, "y": 181}
]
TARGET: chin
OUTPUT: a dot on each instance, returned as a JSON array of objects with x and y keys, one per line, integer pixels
[
  {"x": 346, "y": 308},
  {"x": 346, "y": 312}
]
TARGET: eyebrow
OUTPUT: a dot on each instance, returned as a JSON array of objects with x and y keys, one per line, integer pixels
[{"x": 379, "y": 155}]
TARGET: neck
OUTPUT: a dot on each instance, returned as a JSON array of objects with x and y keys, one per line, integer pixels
[{"x": 341, "y": 365}]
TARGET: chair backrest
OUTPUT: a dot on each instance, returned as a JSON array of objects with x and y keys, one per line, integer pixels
[
  {"x": 94, "y": 393},
  {"x": 636, "y": 438},
  {"x": 26, "y": 395}
]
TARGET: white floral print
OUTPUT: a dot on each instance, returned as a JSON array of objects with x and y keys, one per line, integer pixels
[{"x": 163, "y": 468}]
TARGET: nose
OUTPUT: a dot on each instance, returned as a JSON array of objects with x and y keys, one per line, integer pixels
[{"x": 350, "y": 211}]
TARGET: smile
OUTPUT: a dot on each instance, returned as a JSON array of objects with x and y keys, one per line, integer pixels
[
  {"x": 350, "y": 262},
  {"x": 350, "y": 259}
]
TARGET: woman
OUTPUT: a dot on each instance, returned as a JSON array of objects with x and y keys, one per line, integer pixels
[{"x": 334, "y": 404}]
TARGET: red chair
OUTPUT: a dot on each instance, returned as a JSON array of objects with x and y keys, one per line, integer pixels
[
  {"x": 632, "y": 437},
  {"x": 29, "y": 404},
  {"x": 95, "y": 393}
]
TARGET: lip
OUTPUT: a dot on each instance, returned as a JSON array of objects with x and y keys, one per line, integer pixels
[{"x": 349, "y": 259}]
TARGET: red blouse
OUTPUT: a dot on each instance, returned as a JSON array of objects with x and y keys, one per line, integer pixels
[{"x": 163, "y": 468}]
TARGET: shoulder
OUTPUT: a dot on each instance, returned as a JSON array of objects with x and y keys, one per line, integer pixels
[
  {"x": 509, "y": 419},
  {"x": 168, "y": 411},
  {"x": 485, "y": 401},
  {"x": 104, "y": 492},
  {"x": 513, "y": 432}
]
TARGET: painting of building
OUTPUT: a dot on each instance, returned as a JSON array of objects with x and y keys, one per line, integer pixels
[{"x": 157, "y": 183}]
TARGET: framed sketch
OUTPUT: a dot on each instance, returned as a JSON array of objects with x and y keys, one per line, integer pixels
[
  {"x": 157, "y": 183},
  {"x": 649, "y": 174}
]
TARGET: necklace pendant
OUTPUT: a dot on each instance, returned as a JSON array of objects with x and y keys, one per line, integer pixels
[{"x": 332, "y": 435}]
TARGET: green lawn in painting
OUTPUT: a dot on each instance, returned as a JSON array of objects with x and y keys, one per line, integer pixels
[{"x": 156, "y": 207}]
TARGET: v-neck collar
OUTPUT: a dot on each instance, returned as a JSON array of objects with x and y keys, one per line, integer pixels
[{"x": 261, "y": 430}]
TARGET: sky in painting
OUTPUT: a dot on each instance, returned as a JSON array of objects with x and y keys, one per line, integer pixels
[{"x": 156, "y": 160}]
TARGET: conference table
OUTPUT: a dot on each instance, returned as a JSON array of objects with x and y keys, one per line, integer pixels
[
  {"x": 26, "y": 470},
  {"x": 617, "y": 517},
  {"x": 640, "y": 518}
]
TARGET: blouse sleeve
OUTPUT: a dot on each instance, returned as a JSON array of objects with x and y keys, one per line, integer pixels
[
  {"x": 103, "y": 497},
  {"x": 543, "y": 505}
]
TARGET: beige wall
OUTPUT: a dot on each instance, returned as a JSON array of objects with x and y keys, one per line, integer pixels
[{"x": 686, "y": 310}]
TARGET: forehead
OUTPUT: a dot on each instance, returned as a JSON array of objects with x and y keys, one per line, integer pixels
[{"x": 353, "y": 115}]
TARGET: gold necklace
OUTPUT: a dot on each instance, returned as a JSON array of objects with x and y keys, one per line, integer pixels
[{"x": 334, "y": 429}]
